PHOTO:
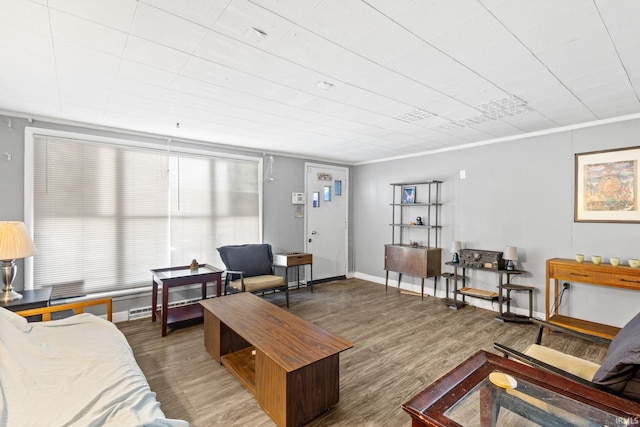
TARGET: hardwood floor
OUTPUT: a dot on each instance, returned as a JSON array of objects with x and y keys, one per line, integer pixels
[{"x": 402, "y": 344}]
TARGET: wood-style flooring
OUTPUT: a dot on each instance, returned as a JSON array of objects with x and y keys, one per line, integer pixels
[{"x": 402, "y": 344}]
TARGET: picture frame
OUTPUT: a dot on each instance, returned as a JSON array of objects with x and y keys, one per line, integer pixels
[
  {"x": 408, "y": 194},
  {"x": 606, "y": 186},
  {"x": 338, "y": 184}
]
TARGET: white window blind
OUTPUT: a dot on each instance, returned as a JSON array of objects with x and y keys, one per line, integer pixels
[{"x": 105, "y": 214}]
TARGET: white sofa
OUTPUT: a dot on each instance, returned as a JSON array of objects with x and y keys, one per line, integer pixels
[{"x": 77, "y": 371}]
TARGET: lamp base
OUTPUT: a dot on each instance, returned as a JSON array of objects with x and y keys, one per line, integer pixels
[
  {"x": 8, "y": 272},
  {"x": 10, "y": 295}
]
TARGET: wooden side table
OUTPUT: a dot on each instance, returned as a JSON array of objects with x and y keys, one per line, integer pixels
[
  {"x": 181, "y": 276},
  {"x": 295, "y": 259},
  {"x": 32, "y": 298}
]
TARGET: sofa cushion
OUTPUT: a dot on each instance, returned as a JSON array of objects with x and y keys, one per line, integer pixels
[{"x": 619, "y": 371}]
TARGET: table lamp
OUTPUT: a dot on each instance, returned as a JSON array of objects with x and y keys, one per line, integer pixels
[
  {"x": 15, "y": 243},
  {"x": 456, "y": 247},
  {"x": 511, "y": 255}
]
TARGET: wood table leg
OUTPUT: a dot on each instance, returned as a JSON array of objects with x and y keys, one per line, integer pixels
[
  {"x": 154, "y": 300},
  {"x": 165, "y": 309}
]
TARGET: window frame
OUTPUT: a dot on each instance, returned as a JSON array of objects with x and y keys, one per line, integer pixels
[{"x": 127, "y": 140}]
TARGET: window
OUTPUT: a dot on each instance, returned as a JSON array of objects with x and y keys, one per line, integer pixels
[{"x": 106, "y": 213}]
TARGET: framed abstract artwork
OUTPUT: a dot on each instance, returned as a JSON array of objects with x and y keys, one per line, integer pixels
[
  {"x": 606, "y": 186},
  {"x": 408, "y": 194}
]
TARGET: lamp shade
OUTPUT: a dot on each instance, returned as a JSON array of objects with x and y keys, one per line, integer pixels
[
  {"x": 15, "y": 241},
  {"x": 456, "y": 247},
  {"x": 510, "y": 253}
]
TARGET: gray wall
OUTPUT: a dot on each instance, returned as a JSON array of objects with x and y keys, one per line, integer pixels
[
  {"x": 516, "y": 193},
  {"x": 280, "y": 228}
]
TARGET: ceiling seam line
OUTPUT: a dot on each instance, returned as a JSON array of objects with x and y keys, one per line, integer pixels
[
  {"x": 541, "y": 62},
  {"x": 626, "y": 72}
]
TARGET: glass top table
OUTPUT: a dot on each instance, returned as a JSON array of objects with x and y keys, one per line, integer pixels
[
  {"x": 171, "y": 277},
  {"x": 490, "y": 390}
]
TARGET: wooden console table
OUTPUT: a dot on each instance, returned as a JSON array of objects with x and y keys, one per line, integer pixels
[
  {"x": 558, "y": 269},
  {"x": 289, "y": 364},
  {"x": 418, "y": 261}
]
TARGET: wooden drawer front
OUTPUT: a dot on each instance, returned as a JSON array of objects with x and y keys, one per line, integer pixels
[
  {"x": 621, "y": 279},
  {"x": 573, "y": 275},
  {"x": 301, "y": 259}
]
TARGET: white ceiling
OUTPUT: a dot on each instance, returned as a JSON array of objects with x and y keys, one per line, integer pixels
[{"x": 404, "y": 76}]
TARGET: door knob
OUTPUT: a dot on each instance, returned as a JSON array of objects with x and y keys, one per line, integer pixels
[{"x": 314, "y": 232}]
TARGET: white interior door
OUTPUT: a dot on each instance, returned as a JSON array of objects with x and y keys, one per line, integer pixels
[{"x": 326, "y": 214}]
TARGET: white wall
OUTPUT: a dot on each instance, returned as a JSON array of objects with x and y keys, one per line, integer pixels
[{"x": 516, "y": 193}]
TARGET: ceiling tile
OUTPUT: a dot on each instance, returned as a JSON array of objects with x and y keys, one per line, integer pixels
[
  {"x": 87, "y": 34},
  {"x": 25, "y": 15},
  {"x": 241, "y": 17},
  {"x": 166, "y": 29},
  {"x": 116, "y": 14},
  {"x": 145, "y": 74},
  {"x": 154, "y": 55},
  {"x": 304, "y": 47},
  {"x": 203, "y": 12},
  {"x": 294, "y": 10},
  {"x": 333, "y": 19}
]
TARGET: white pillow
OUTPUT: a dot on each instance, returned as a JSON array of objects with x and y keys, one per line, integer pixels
[{"x": 9, "y": 317}]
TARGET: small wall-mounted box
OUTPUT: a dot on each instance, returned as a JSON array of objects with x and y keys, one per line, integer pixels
[{"x": 297, "y": 198}]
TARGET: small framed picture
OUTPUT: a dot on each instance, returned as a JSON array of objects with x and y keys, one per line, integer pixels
[
  {"x": 316, "y": 199},
  {"x": 327, "y": 193},
  {"x": 408, "y": 194},
  {"x": 338, "y": 191}
]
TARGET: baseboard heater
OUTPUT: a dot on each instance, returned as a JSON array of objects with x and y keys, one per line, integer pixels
[{"x": 140, "y": 312}]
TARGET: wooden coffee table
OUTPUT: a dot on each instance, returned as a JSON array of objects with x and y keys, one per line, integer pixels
[{"x": 289, "y": 364}]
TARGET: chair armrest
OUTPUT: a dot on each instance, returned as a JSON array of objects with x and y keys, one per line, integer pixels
[
  {"x": 509, "y": 352},
  {"x": 557, "y": 328},
  {"x": 226, "y": 278}
]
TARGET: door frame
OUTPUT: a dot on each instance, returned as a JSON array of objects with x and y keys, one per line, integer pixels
[{"x": 345, "y": 193}]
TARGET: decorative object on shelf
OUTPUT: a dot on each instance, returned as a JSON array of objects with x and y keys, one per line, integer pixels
[
  {"x": 194, "y": 265},
  {"x": 511, "y": 256},
  {"x": 15, "y": 243},
  {"x": 606, "y": 186},
  {"x": 419, "y": 221},
  {"x": 478, "y": 258},
  {"x": 614, "y": 261},
  {"x": 579, "y": 258},
  {"x": 596, "y": 259},
  {"x": 456, "y": 246},
  {"x": 634, "y": 263},
  {"x": 408, "y": 194}
]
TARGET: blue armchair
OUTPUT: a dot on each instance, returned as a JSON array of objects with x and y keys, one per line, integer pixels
[{"x": 250, "y": 269}]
